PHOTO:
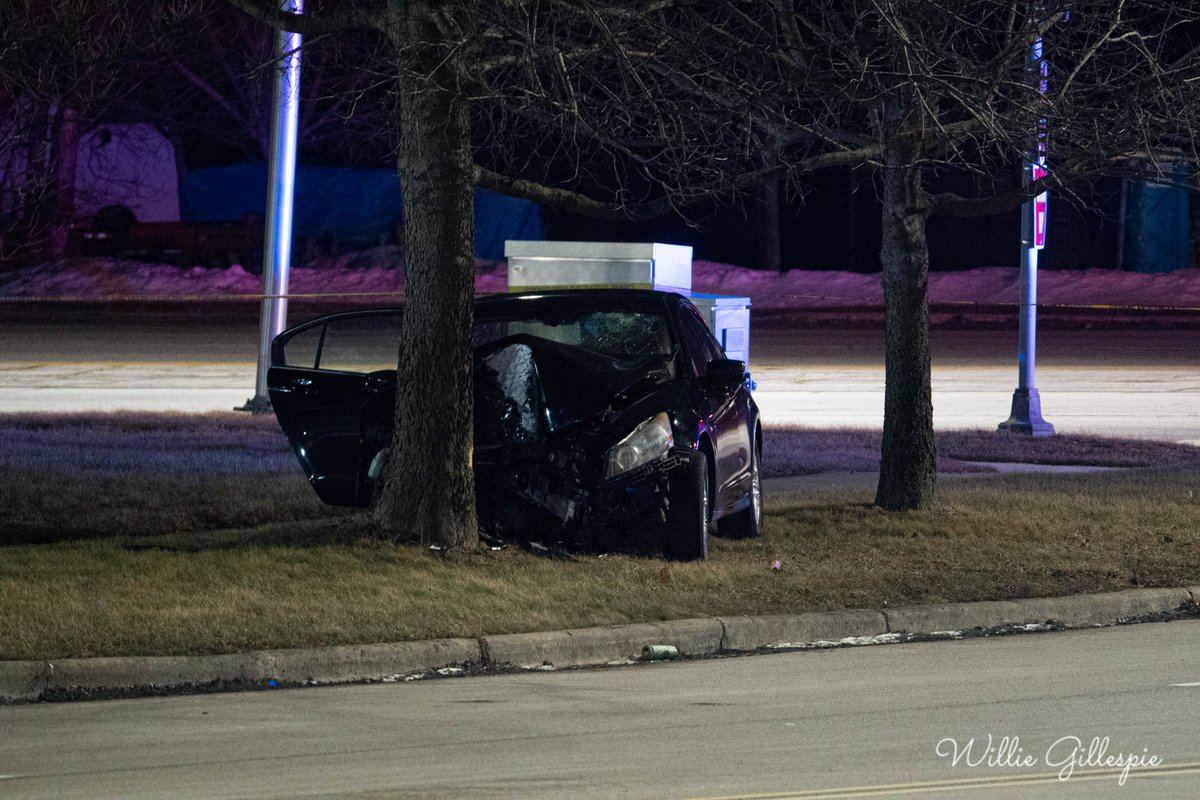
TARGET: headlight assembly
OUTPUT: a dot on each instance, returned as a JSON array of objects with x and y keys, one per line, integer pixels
[{"x": 649, "y": 441}]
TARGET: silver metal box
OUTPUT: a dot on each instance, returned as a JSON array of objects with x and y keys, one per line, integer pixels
[{"x": 534, "y": 265}]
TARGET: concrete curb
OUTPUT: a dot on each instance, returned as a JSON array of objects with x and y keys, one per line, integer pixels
[
  {"x": 744, "y": 634},
  {"x": 592, "y": 646},
  {"x": 28, "y": 681},
  {"x": 35, "y": 680},
  {"x": 1073, "y": 611}
]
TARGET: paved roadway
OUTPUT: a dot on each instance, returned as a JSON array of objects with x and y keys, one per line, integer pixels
[
  {"x": 848, "y": 723},
  {"x": 1127, "y": 383},
  {"x": 1132, "y": 383}
]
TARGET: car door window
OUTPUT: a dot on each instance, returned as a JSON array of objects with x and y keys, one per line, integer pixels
[
  {"x": 701, "y": 347},
  {"x": 302, "y": 347},
  {"x": 351, "y": 344}
]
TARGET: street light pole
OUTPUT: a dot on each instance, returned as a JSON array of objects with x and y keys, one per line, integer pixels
[
  {"x": 1026, "y": 414},
  {"x": 281, "y": 177}
]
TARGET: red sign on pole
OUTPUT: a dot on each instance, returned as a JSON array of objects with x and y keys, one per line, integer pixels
[
  {"x": 1040, "y": 211},
  {"x": 1039, "y": 221}
]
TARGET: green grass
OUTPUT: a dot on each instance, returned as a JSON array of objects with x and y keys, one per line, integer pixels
[
  {"x": 97, "y": 475},
  {"x": 796, "y": 450},
  {"x": 197, "y": 535},
  {"x": 86, "y": 476},
  {"x": 320, "y": 582}
]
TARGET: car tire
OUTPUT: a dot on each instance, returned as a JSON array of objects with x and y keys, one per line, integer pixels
[
  {"x": 688, "y": 510},
  {"x": 747, "y": 523}
]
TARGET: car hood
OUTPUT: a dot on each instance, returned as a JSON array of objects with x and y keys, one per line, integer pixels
[{"x": 527, "y": 387}]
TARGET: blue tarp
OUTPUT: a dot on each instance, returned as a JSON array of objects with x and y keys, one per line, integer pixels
[
  {"x": 344, "y": 203},
  {"x": 1159, "y": 228}
]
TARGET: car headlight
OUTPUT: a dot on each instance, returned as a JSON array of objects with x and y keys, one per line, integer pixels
[{"x": 650, "y": 440}]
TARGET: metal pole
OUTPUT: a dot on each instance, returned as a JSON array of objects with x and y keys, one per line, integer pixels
[
  {"x": 1026, "y": 414},
  {"x": 281, "y": 176}
]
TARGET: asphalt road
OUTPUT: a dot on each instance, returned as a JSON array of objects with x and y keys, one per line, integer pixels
[
  {"x": 1111, "y": 382},
  {"x": 848, "y": 723},
  {"x": 1115, "y": 382}
]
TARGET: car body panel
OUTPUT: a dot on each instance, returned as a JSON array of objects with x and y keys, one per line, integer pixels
[{"x": 321, "y": 413}]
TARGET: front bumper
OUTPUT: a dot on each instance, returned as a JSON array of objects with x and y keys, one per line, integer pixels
[{"x": 549, "y": 503}]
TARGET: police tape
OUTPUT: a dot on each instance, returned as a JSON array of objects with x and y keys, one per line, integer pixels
[
  {"x": 400, "y": 295},
  {"x": 1080, "y": 306},
  {"x": 188, "y": 298},
  {"x": 978, "y": 306}
]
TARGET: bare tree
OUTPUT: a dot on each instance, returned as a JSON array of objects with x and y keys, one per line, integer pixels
[
  {"x": 211, "y": 87},
  {"x": 558, "y": 79},
  {"x": 920, "y": 89},
  {"x": 200, "y": 69},
  {"x": 63, "y": 65},
  {"x": 686, "y": 99},
  {"x": 642, "y": 107}
]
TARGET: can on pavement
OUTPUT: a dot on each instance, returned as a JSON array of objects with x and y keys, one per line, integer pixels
[{"x": 659, "y": 652}]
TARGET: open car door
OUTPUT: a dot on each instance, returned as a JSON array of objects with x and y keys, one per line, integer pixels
[{"x": 329, "y": 383}]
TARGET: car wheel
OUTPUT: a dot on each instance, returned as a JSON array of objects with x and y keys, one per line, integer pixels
[
  {"x": 747, "y": 523},
  {"x": 687, "y": 512}
]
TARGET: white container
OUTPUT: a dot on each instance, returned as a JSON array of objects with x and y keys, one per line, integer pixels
[{"x": 535, "y": 265}]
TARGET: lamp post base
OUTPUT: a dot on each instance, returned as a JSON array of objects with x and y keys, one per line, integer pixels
[
  {"x": 1026, "y": 416},
  {"x": 256, "y": 405}
]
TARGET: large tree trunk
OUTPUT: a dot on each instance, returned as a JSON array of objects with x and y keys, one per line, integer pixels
[
  {"x": 908, "y": 468},
  {"x": 65, "y": 166},
  {"x": 766, "y": 227},
  {"x": 36, "y": 192},
  {"x": 428, "y": 490}
]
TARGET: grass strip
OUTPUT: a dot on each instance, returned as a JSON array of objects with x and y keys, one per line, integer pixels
[
  {"x": 321, "y": 581},
  {"x": 796, "y": 450},
  {"x": 80, "y": 476},
  {"x": 86, "y": 476}
]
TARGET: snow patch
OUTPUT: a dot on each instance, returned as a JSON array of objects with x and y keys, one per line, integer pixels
[
  {"x": 849, "y": 641},
  {"x": 377, "y": 277}
]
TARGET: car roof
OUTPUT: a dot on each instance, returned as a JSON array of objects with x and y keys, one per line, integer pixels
[
  {"x": 551, "y": 301},
  {"x": 565, "y": 299}
]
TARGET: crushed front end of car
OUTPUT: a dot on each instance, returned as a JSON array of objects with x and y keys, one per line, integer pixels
[{"x": 572, "y": 447}]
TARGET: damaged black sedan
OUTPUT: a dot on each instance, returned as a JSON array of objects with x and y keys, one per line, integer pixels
[{"x": 604, "y": 418}]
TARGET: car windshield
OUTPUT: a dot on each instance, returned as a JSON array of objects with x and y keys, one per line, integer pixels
[{"x": 623, "y": 334}]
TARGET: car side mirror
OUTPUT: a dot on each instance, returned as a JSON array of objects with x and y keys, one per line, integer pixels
[{"x": 726, "y": 371}]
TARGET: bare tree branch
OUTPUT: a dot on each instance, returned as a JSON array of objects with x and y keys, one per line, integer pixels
[{"x": 324, "y": 21}]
